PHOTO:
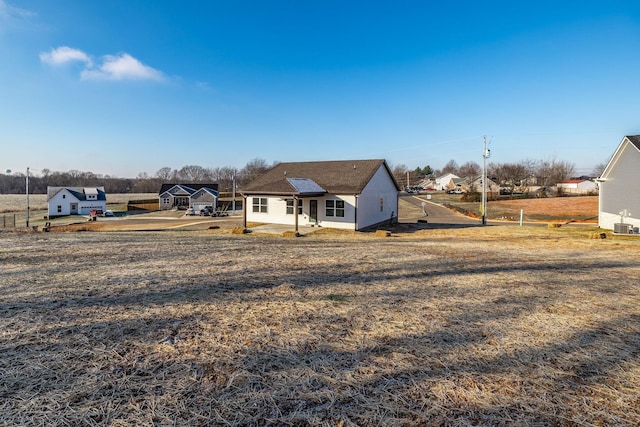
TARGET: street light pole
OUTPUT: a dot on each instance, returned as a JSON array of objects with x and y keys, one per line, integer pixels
[{"x": 485, "y": 154}]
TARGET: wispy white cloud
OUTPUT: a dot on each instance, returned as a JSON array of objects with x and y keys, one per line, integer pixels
[
  {"x": 111, "y": 67},
  {"x": 122, "y": 67},
  {"x": 11, "y": 16},
  {"x": 8, "y": 11},
  {"x": 64, "y": 54}
]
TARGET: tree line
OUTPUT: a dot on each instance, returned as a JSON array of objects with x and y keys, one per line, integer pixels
[
  {"x": 15, "y": 183},
  {"x": 543, "y": 173}
]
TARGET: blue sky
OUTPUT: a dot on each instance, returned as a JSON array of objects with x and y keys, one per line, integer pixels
[{"x": 124, "y": 87}]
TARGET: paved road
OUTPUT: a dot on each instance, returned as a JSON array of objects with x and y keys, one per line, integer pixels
[
  {"x": 437, "y": 215},
  {"x": 441, "y": 217}
]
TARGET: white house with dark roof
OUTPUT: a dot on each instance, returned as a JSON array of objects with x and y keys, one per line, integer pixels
[
  {"x": 619, "y": 202},
  {"x": 346, "y": 194},
  {"x": 63, "y": 201}
]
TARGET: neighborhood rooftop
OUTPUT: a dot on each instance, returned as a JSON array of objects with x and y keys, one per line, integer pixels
[
  {"x": 337, "y": 177},
  {"x": 635, "y": 140}
]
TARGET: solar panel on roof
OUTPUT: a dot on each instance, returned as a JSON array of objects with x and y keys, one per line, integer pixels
[{"x": 305, "y": 185}]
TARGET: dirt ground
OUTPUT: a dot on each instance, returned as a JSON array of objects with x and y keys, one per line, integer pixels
[
  {"x": 496, "y": 325},
  {"x": 568, "y": 208},
  {"x": 582, "y": 209}
]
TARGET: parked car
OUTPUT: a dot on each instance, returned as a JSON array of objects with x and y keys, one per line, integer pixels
[
  {"x": 455, "y": 191},
  {"x": 206, "y": 211},
  {"x": 108, "y": 213},
  {"x": 190, "y": 212}
]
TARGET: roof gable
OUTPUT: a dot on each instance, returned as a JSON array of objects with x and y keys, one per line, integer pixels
[
  {"x": 206, "y": 190},
  {"x": 194, "y": 187},
  {"x": 630, "y": 140},
  {"x": 337, "y": 177},
  {"x": 79, "y": 193}
]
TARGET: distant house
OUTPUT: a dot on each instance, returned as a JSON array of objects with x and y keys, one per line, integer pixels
[
  {"x": 63, "y": 201},
  {"x": 346, "y": 194},
  {"x": 475, "y": 185},
  {"x": 183, "y": 196},
  {"x": 619, "y": 201},
  {"x": 446, "y": 182},
  {"x": 577, "y": 186}
]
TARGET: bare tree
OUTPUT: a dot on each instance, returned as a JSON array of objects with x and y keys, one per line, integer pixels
[
  {"x": 252, "y": 170},
  {"x": 400, "y": 174},
  {"x": 551, "y": 172},
  {"x": 450, "y": 167},
  {"x": 597, "y": 170},
  {"x": 469, "y": 171},
  {"x": 192, "y": 173},
  {"x": 511, "y": 177},
  {"x": 166, "y": 174}
]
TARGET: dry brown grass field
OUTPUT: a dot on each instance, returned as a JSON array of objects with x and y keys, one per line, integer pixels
[
  {"x": 577, "y": 208},
  {"x": 18, "y": 202},
  {"x": 479, "y": 326}
]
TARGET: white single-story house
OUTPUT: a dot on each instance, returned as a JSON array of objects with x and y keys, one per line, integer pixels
[
  {"x": 577, "y": 186},
  {"x": 446, "y": 182},
  {"x": 619, "y": 198},
  {"x": 345, "y": 194},
  {"x": 63, "y": 201},
  {"x": 183, "y": 196}
]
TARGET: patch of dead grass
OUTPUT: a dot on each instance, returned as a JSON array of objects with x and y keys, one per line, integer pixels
[{"x": 478, "y": 326}]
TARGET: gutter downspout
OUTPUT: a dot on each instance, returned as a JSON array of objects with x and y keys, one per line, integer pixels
[{"x": 355, "y": 214}]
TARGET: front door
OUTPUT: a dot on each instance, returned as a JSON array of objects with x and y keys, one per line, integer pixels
[
  {"x": 313, "y": 211},
  {"x": 74, "y": 209}
]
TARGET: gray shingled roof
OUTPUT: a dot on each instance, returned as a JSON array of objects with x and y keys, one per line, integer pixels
[
  {"x": 336, "y": 177},
  {"x": 635, "y": 140}
]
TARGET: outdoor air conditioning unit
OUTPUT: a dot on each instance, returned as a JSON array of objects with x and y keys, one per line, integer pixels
[{"x": 621, "y": 228}]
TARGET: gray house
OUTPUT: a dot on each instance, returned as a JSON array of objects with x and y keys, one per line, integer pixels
[
  {"x": 183, "y": 196},
  {"x": 619, "y": 202}
]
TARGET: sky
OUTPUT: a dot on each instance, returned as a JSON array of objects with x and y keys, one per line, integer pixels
[{"x": 124, "y": 87}]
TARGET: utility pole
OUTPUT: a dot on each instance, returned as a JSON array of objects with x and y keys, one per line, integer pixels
[
  {"x": 233, "y": 193},
  {"x": 27, "y": 186},
  {"x": 485, "y": 154}
]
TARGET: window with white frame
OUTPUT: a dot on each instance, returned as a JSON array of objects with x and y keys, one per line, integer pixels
[
  {"x": 260, "y": 204},
  {"x": 290, "y": 207},
  {"x": 166, "y": 201},
  {"x": 59, "y": 208},
  {"x": 334, "y": 208},
  {"x": 381, "y": 204}
]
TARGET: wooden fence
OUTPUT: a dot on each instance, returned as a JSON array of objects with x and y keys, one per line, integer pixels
[
  {"x": 143, "y": 205},
  {"x": 8, "y": 221}
]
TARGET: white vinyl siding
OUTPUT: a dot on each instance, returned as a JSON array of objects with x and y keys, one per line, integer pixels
[{"x": 618, "y": 191}]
